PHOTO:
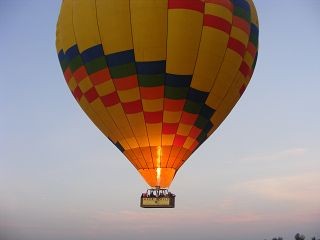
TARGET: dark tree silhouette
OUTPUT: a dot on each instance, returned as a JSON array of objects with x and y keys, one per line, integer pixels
[{"x": 299, "y": 236}]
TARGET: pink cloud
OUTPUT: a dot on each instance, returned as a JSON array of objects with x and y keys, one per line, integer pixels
[
  {"x": 280, "y": 155},
  {"x": 302, "y": 189}
]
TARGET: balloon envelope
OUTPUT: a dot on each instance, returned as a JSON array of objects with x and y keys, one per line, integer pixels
[{"x": 157, "y": 77}]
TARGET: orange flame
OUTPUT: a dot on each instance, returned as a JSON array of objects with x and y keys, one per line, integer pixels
[{"x": 158, "y": 170}]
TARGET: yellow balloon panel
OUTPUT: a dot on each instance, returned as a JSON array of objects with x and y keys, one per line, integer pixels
[
  {"x": 149, "y": 29},
  {"x": 114, "y": 23},
  {"x": 157, "y": 77}
]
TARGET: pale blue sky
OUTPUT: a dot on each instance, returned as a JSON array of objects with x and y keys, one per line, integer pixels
[{"x": 257, "y": 177}]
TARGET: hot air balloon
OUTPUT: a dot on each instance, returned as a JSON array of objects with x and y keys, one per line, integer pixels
[{"x": 157, "y": 77}]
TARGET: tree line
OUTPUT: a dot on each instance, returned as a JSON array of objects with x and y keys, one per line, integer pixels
[{"x": 298, "y": 236}]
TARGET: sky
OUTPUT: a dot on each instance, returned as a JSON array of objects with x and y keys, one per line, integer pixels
[{"x": 257, "y": 177}]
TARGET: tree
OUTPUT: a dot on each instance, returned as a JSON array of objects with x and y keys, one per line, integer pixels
[{"x": 299, "y": 236}]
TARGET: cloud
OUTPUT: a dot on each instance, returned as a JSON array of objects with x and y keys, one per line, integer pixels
[
  {"x": 140, "y": 222},
  {"x": 302, "y": 190},
  {"x": 280, "y": 155},
  {"x": 299, "y": 193}
]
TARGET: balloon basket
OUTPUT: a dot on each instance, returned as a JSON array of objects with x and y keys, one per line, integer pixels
[{"x": 157, "y": 198}]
